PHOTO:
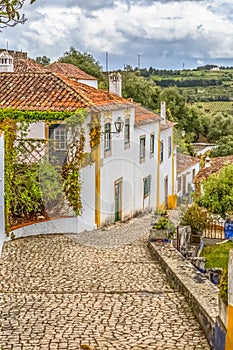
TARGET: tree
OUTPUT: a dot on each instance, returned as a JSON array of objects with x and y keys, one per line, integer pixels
[
  {"x": 224, "y": 147},
  {"x": 44, "y": 60},
  {"x": 217, "y": 194},
  {"x": 10, "y": 13},
  {"x": 84, "y": 61},
  {"x": 220, "y": 125},
  {"x": 140, "y": 89}
]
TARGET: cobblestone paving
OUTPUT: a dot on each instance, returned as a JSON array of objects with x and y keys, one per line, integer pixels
[{"x": 102, "y": 289}]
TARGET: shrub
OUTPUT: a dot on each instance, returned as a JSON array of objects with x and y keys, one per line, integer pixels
[
  {"x": 196, "y": 217},
  {"x": 224, "y": 287}
]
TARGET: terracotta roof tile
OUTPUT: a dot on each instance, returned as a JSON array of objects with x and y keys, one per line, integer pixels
[
  {"x": 49, "y": 91},
  {"x": 185, "y": 161},
  {"x": 216, "y": 164},
  {"x": 166, "y": 124},
  {"x": 69, "y": 70},
  {"x": 23, "y": 65},
  {"x": 144, "y": 116}
]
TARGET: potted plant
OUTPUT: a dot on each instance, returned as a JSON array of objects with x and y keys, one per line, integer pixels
[
  {"x": 162, "y": 230},
  {"x": 197, "y": 218}
]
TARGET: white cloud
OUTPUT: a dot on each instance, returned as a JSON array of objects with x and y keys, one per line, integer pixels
[{"x": 170, "y": 29}]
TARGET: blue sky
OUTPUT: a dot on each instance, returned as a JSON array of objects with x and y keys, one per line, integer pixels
[{"x": 166, "y": 34}]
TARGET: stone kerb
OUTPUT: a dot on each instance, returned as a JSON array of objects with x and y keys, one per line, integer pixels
[{"x": 200, "y": 293}]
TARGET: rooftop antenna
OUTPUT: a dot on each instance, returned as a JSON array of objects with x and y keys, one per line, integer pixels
[
  {"x": 7, "y": 46},
  {"x": 139, "y": 60},
  {"x": 106, "y": 62}
]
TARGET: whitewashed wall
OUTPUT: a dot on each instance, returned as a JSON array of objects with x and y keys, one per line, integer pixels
[
  {"x": 93, "y": 83},
  {"x": 125, "y": 164},
  {"x": 2, "y": 215},
  {"x": 147, "y": 167},
  {"x": 188, "y": 174},
  {"x": 166, "y": 166}
]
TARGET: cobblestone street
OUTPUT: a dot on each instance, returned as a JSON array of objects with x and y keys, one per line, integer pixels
[{"x": 100, "y": 288}]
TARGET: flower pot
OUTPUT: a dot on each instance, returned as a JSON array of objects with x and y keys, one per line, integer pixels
[{"x": 158, "y": 234}]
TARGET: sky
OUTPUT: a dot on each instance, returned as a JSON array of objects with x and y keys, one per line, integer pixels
[{"x": 164, "y": 34}]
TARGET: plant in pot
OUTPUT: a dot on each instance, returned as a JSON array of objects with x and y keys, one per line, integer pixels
[
  {"x": 197, "y": 218},
  {"x": 163, "y": 229}
]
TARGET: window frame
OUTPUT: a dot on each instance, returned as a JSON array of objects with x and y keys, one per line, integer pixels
[
  {"x": 152, "y": 144},
  {"x": 161, "y": 151},
  {"x": 146, "y": 186},
  {"x": 142, "y": 146},
  {"x": 107, "y": 137},
  {"x": 127, "y": 131},
  {"x": 169, "y": 146}
]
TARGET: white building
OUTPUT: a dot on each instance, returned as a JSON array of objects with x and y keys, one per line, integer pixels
[
  {"x": 133, "y": 170},
  {"x": 187, "y": 168}
]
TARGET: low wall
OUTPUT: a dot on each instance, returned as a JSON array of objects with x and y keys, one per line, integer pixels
[
  {"x": 200, "y": 293},
  {"x": 66, "y": 225}
]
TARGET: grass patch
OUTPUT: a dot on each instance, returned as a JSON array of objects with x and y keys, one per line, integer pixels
[{"x": 217, "y": 255}]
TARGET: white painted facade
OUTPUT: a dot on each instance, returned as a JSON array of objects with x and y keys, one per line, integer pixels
[
  {"x": 123, "y": 166},
  {"x": 167, "y": 177},
  {"x": 92, "y": 83},
  {"x": 185, "y": 180}
]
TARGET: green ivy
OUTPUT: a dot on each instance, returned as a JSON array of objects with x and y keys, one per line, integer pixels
[
  {"x": 224, "y": 286},
  {"x": 32, "y": 116},
  {"x": 30, "y": 188}
]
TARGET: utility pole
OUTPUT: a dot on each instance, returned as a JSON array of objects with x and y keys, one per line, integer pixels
[{"x": 106, "y": 62}]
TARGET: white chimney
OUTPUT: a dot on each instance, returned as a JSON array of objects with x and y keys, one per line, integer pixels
[
  {"x": 115, "y": 83},
  {"x": 6, "y": 62},
  {"x": 163, "y": 111},
  {"x": 207, "y": 162}
]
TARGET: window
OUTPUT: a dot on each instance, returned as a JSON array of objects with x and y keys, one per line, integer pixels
[
  {"x": 169, "y": 146},
  {"x": 179, "y": 184},
  {"x": 57, "y": 143},
  {"x": 57, "y": 133},
  {"x": 152, "y": 144},
  {"x": 147, "y": 185},
  {"x": 161, "y": 151},
  {"x": 107, "y": 137},
  {"x": 194, "y": 173},
  {"x": 142, "y": 147},
  {"x": 60, "y": 139},
  {"x": 127, "y": 131}
]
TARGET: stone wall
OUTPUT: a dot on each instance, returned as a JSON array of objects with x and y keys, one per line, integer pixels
[{"x": 200, "y": 293}]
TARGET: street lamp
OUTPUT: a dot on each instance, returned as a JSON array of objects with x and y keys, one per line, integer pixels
[{"x": 118, "y": 126}]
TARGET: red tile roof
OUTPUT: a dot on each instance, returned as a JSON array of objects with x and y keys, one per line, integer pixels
[
  {"x": 69, "y": 70},
  {"x": 185, "y": 161},
  {"x": 23, "y": 65},
  {"x": 216, "y": 164},
  {"x": 166, "y": 124},
  {"x": 144, "y": 116},
  {"x": 43, "y": 91}
]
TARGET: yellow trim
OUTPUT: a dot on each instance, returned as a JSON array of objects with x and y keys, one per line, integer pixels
[
  {"x": 46, "y": 131},
  {"x": 172, "y": 198},
  {"x": 97, "y": 185},
  {"x": 158, "y": 172},
  {"x": 229, "y": 337}
]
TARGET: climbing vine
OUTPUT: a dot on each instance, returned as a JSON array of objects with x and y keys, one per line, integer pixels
[
  {"x": 33, "y": 182},
  {"x": 95, "y": 130}
]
